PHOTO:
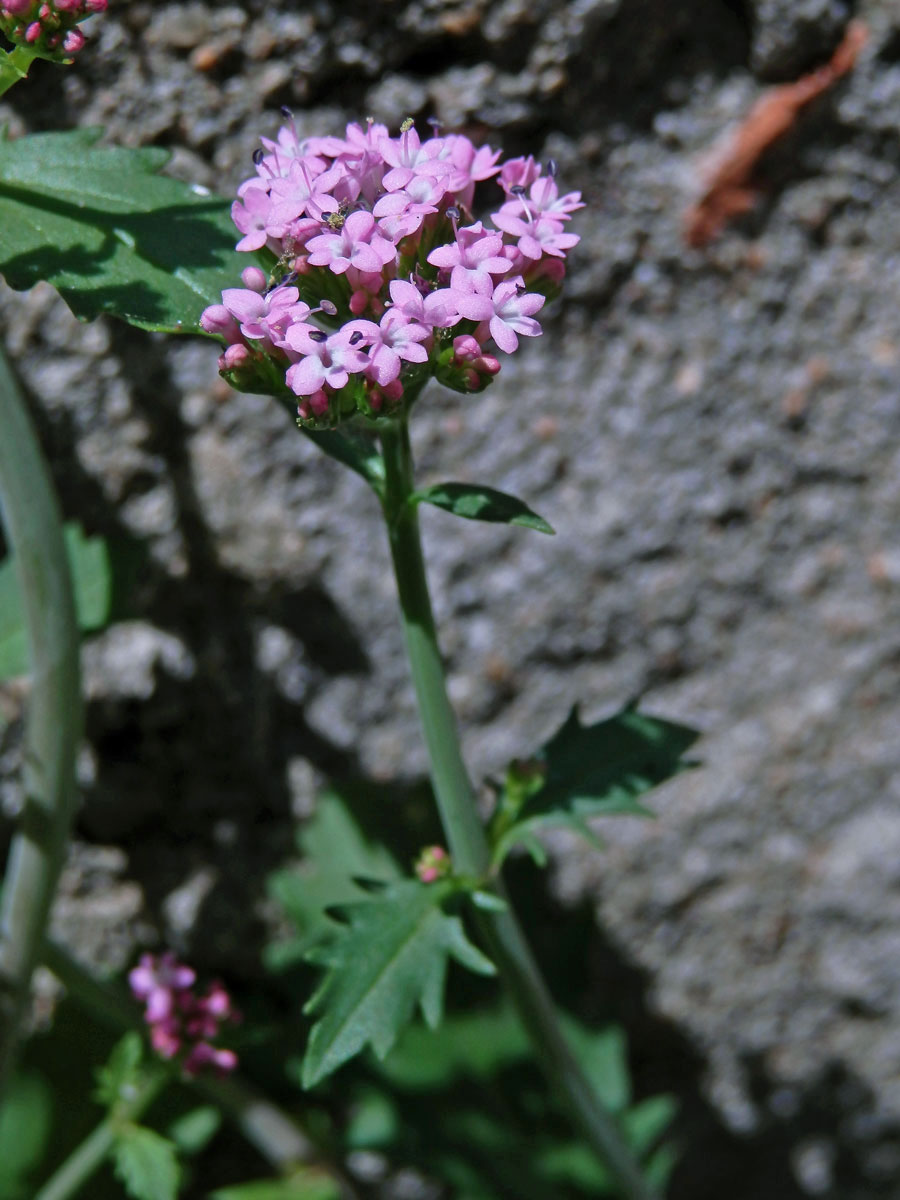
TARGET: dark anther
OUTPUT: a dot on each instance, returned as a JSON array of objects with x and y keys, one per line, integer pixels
[
  {"x": 521, "y": 289},
  {"x": 328, "y": 307},
  {"x": 316, "y": 335},
  {"x": 517, "y": 189},
  {"x": 287, "y": 113},
  {"x": 287, "y": 280},
  {"x": 453, "y": 212},
  {"x": 355, "y": 337},
  {"x": 258, "y": 155},
  {"x": 551, "y": 167},
  {"x": 436, "y": 124}
]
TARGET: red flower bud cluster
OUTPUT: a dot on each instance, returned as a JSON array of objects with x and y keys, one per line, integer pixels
[{"x": 48, "y": 27}]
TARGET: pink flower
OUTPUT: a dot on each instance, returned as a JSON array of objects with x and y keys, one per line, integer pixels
[
  {"x": 268, "y": 317},
  {"x": 356, "y": 244},
  {"x": 537, "y": 238},
  {"x": 326, "y": 360},
  {"x": 437, "y": 310},
  {"x": 304, "y": 193},
  {"x": 396, "y": 338},
  {"x": 507, "y": 312},
  {"x": 251, "y": 215},
  {"x": 476, "y": 256}
]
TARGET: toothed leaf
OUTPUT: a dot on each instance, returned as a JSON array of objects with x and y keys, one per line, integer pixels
[{"x": 390, "y": 957}]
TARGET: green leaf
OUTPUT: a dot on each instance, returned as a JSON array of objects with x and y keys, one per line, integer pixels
[
  {"x": 146, "y": 1163},
  {"x": 589, "y": 771},
  {"x": 479, "y": 503},
  {"x": 391, "y": 956},
  {"x": 121, "y": 1072},
  {"x": 25, "y": 1121},
  {"x": 602, "y": 1054},
  {"x": 194, "y": 1130},
  {"x": 335, "y": 852},
  {"x": 96, "y": 577},
  {"x": 471, "y": 1045},
  {"x": 647, "y": 1122},
  {"x": 355, "y": 449},
  {"x": 111, "y": 234},
  {"x": 309, "y": 1183}
]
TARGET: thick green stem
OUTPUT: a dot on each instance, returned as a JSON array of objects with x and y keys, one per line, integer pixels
[
  {"x": 88, "y": 1157},
  {"x": 34, "y": 530},
  {"x": 465, "y": 833}
]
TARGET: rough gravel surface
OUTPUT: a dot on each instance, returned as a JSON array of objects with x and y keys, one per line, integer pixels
[{"x": 715, "y": 434}]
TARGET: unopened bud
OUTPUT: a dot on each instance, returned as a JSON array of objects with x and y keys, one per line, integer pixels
[
  {"x": 254, "y": 278},
  {"x": 433, "y": 864}
]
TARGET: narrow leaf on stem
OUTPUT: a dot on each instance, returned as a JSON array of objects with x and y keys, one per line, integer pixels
[{"x": 477, "y": 502}]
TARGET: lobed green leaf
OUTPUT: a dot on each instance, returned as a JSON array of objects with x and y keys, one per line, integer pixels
[
  {"x": 588, "y": 771},
  {"x": 389, "y": 958},
  {"x": 146, "y": 1163}
]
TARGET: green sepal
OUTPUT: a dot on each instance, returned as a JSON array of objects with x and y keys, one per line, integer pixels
[{"x": 477, "y": 502}]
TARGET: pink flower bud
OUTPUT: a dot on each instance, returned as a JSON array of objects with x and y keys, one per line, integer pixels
[
  {"x": 73, "y": 41},
  {"x": 487, "y": 364},
  {"x": 235, "y": 357},
  {"x": 18, "y": 8},
  {"x": 95, "y": 6},
  {"x": 318, "y": 403},
  {"x": 432, "y": 864},
  {"x": 33, "y": 32},
  {"x": 359, "y": 302},
  {"x": 254, "y": 278}
]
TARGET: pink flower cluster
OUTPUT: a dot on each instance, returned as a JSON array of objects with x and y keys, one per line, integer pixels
[
  {"x": 49, "y": 27},
  {"x": 179, "y": 1019},
  {"x": 380, "y": 275},
  {"x": 433, "y": 864}
]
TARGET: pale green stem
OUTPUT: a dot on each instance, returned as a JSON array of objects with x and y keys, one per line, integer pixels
[
  {"x": 87, "y": 1158},
  {"x": 33, "y": 526},
  {"x": 465, "y": 833}
]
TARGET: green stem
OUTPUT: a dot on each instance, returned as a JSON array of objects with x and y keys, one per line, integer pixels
[
  {"x": 34, "y": 530},
  {"x": 277, "y": 1137},
  {"x": 87, "y": 1158},
  {"x": 14, "y": 66},
  {"x": 463, "y": 828}
]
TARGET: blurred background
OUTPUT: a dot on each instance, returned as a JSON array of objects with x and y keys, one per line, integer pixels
[{"x": 714, "y": 431}]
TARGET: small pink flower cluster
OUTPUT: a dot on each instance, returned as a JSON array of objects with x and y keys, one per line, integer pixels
[
  {"x": 49, "y": 27},
  {"x": 179, "y": 1020},
  {"x": 374, "y": 236},
  {"x": 433, "y": 864}
]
